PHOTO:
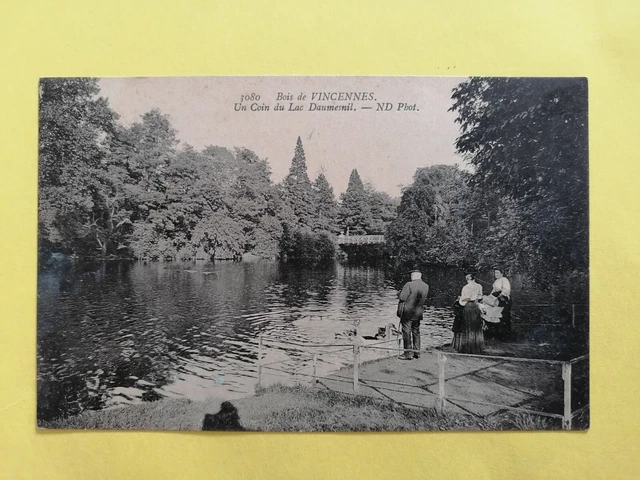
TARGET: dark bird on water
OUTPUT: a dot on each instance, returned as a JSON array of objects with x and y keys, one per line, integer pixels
[{"x": 227, "y": 419}]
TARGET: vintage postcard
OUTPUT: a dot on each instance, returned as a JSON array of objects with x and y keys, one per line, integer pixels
[{"x": 313, "y": 253}]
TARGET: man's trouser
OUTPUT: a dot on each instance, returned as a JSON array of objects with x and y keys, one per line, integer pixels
[{"x": 411, "y": 337}]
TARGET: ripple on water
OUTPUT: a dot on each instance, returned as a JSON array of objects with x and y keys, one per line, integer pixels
[{"x": 153, "y": 332}]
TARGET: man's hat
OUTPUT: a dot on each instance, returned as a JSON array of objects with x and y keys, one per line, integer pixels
[{"x": 415, "y": 270}]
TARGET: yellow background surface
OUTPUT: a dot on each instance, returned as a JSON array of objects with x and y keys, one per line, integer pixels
[{"x": 598, "y": 39}]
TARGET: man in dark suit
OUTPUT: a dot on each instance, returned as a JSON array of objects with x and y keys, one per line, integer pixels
[{"x": 414, "y": 295}]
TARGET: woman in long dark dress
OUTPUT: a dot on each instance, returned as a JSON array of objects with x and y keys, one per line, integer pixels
[
  {"x": 469, "y": 338},
  {"x": 458, "y": 311},
  {"x": 501, "y": 290}
]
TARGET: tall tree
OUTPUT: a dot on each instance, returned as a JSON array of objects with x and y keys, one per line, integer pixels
[
  {"x": 527, "y": 139},
  {"x": 297, "y": 190},
  {"x": 355, "y": 211},
  {"x": 254, "y": 204},
  {"x": 75, "y": 127},
  {"x": 326, "y": 215},
  {"x": 433, "y": 223},
  {"x": 166, "y": 231},
  {"x": 383, "y": 210},
  {"x": 147, "y": 150}
]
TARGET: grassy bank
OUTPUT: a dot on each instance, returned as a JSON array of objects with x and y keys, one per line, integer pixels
[{"x": 300, "y": 408}]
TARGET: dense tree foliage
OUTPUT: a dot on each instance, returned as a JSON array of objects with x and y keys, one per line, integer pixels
[
  {"x": 433, "y": 225},
  {"x": 525, "y": 204},
  {"x": 382, "y": 210},
  {"x": 74, "y": 132},
  {"x": 309, "y": 211},
  {"x": 326, "y": 214},
  {"x": 109, "y": 189},
  {"x": 363, "y": 210},
  {"x": 527, "y": 140},
  {"x": 306, "y": 246},
  {"x": 129, "y": 190},
  {"x": 355, "y": 211},
  {"x": 297, "y": 191}
]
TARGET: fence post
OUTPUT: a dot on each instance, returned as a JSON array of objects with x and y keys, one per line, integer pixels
[
  {"x": 356, "y": 362},
  {"x": 389, "y": 340},
  {"x": 441, "y": 395},
  {"x": 573, "y": 315},
  {"x": 399, "y": 343},
  {"x": 315, "y": 369},
  {"x": 566, "y": 376},
  {"x": 259, "y": 360}
]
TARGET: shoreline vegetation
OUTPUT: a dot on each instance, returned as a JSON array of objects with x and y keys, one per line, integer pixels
[
  {"x": 112, "y": 190},
  {"x": 275, "y": 408},
  {"x": 292, "y": 409},
  {"x": 308, "y": 408},
  {"x": 245, "y": 257}
]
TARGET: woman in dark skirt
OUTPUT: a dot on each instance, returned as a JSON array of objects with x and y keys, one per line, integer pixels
[
  {"x": 457, "y": 324},
  {"x": 469, "y": 338},
  {"x": 501, "y": 290}
]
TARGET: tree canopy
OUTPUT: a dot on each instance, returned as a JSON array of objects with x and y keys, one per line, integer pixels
[
  {"x": 297, "y": 190},
  {"x": 326, "y": 212},
  {"x": 524, "y": 205},
  {"x": 112, "y": 189},
  {"x": 527, "y": 141},
  {"x": 133, "y": 190},
  {"x": 432, "y": 225},
  {"x": 75, "y": 196},
  {"x": 355, "y": 211}
]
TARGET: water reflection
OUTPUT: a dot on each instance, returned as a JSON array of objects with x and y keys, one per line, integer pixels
[{"x": 122, "y": 332}]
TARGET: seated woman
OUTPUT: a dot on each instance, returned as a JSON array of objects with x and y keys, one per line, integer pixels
[
  {"x": 468, "y": 336},
  {"x": 501, "y": 295},
  {"x": 490, "y": 310}
]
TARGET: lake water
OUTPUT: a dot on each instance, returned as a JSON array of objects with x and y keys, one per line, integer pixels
[{"x": 112, "y": 333}]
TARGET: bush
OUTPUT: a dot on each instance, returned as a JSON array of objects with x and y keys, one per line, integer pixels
[{"x": 306, "y": 246}]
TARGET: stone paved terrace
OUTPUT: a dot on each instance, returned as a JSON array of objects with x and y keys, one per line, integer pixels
[{"x": 536, "y": 386}]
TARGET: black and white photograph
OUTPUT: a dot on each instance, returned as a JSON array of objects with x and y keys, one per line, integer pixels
[{"x": 313, "y": 253}]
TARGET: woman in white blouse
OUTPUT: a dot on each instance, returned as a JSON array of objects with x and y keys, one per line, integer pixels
[
  {"x": 501, "y": 286},
  {"x": 501, "y": 290},
  {"x": 468, "y": 336}
]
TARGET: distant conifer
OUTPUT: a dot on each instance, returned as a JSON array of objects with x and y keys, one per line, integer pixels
[{"x": 297, "y": 190}]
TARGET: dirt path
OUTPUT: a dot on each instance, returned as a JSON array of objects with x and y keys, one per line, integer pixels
[{"x": 535, "y": 386}]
